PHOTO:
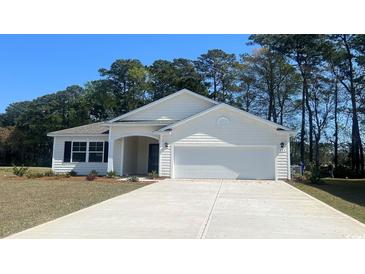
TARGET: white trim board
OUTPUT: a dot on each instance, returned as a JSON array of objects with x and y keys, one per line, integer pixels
[{"x": 220, "y": 145}]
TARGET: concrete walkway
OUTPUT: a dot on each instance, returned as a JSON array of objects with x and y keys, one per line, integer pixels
[{"x": 205, "y": 209}]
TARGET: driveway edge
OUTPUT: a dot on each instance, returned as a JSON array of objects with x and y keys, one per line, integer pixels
[
  {"x": 327, "y": 205},
  {"x": 72, "y": 213}
]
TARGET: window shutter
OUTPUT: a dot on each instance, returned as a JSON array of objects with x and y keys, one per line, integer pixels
[
  {"x": 106, "y": 150},
  {"x": 67, "y": 152}
]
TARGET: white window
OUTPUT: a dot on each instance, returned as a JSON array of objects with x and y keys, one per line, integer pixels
[
  {"x": 96, "y": 152},
  {"x": 78, "y": 151}
]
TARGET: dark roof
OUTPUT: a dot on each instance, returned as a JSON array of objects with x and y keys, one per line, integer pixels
[{"x": 96, "y": 128}]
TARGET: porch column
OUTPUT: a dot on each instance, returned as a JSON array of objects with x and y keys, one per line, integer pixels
[
  {"x": 110, "y": 151},
  {"x": 121, "y": 162},
  {"x": 160, "y": 149},
  {"x": 110, "y": 156}
]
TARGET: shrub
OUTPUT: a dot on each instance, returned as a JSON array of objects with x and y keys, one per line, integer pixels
[
  {"x": 153, "y": 175},
  {"x": 49, "y": 173},
  {"x": 31, "y": 175},
  {"x": 299, "y": 178},
  {"x": 94, "y": 172},
  {"x": 111, "y": 174},
  {"x": 133, "y": 179},
  {"x": 62, "y": 175},
  {"x": 72, "y": 173},
  {"x": 91, "y": 176},
  {"x": 307, "y": 175},
  {"x": 342, "y": 171},
  {"x": 20, "y": 171},
  {"x": 315, "y": 177}
]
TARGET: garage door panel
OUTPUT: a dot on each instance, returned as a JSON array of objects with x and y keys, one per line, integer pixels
[{"x": 224, "y": 162}]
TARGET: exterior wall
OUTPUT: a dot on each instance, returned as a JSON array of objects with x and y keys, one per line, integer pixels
[
  {"x": 59, "y": 166},
  {"x": 130, "y": 155},
  {"x": 176, "y": 108},
  {"x": 202, "y": 131},
  {"x": 165, "y": 159},
  {"x": 242, "y": 131},
  {"x": 282, "y": 163}
]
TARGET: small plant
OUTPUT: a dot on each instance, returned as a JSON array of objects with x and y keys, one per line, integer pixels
[
  {"x": 315, "y": 177},
  {"x": 307, "y": 175},
  {"x": 298, "y": 178},
  {"x": 111, "y": 174},
  {"x": 31, "y": 175},
  {"x": 94, "y": 172},
  {"x": 72, "y": 173},
  {"x": 153, "y": 175},
  {"x": 49, "y": 173},
  {"x": 20, "y": 171},
  {"x": 91, "y": 176},
  {"x": 133, "y": 179}
]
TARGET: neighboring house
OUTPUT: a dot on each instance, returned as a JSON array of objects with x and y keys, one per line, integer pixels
[{"x": 183, "y": 135}]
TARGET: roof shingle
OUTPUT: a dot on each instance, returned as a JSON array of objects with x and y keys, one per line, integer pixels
[{"x": 96, "y": 128}]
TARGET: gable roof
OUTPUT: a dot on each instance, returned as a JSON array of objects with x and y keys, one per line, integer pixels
[
  {"x": 90, "y": 130},
  {"x": 239, "y": 111},
  {"x": 159, "y": 101}
]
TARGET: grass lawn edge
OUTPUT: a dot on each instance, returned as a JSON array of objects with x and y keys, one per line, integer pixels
[
  {"x": 327, "y": 205},
  {"x": 72, "y": 213}
]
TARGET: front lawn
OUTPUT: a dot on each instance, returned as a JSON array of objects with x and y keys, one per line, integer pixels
[
  {"x": 346, "y": 195},
  {"x": 25, "y": 203},
  {"x": 8, "y": 171}
]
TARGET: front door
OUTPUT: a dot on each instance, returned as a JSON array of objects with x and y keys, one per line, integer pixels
[{"x": 153, "y": 152}]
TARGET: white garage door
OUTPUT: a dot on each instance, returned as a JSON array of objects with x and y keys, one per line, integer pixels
[{"x": 224, "y": 162}]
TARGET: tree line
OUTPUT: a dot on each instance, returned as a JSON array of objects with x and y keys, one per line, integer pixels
[{"x": 311, "y": 83}]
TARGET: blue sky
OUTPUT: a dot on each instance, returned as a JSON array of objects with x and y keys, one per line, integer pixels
[{"x": 34, "y": 65}]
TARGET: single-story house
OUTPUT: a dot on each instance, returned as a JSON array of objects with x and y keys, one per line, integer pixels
[{"x": 183, "y": 135}]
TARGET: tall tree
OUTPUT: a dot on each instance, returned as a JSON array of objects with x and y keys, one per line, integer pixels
[
  {"x": 101, "y": 100},
  {"x": 271, "y": 73},
  {"x": 12, "y": 112},
  {"x": 167, "y": 77},
  {"x": 246, "y": 86},
  {"x": 28, "y": 141},
  {"x": 128, "y": 80},
  {"x": 220, "y": 71},
  {"x": 322, "y": 100},
  {"x": 335, "y": 135},
  {"x": 163, "y": 78},
  {"x": 346, "y": 58},
  {"x": 304, "y": 51}
]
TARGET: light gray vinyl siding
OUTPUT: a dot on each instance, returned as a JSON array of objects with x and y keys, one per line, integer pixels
[
  {"x": 176, "y": 108},
  {"x": 58, "y": 166},
  {"x": 282, "y": 164},
  {"x": 241, "y": 131},
  {"x": 165, "y": 161}
]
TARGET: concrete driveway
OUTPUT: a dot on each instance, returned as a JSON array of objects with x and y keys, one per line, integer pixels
[{"x": 205, "y": 209}]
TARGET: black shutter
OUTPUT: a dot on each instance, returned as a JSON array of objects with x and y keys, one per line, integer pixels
[
  {"x": 67, "y": 152},
  {"x": 106, "y": 150}
]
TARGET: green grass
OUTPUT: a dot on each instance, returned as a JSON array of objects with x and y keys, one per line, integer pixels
[
  {"x": 25, "y": 203},
  {"x": 346, "y": 195},
  {"x": 8, "y": 171}
]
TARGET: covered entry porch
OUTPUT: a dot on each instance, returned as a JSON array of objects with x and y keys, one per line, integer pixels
[{"x": 134, "y": 155}]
